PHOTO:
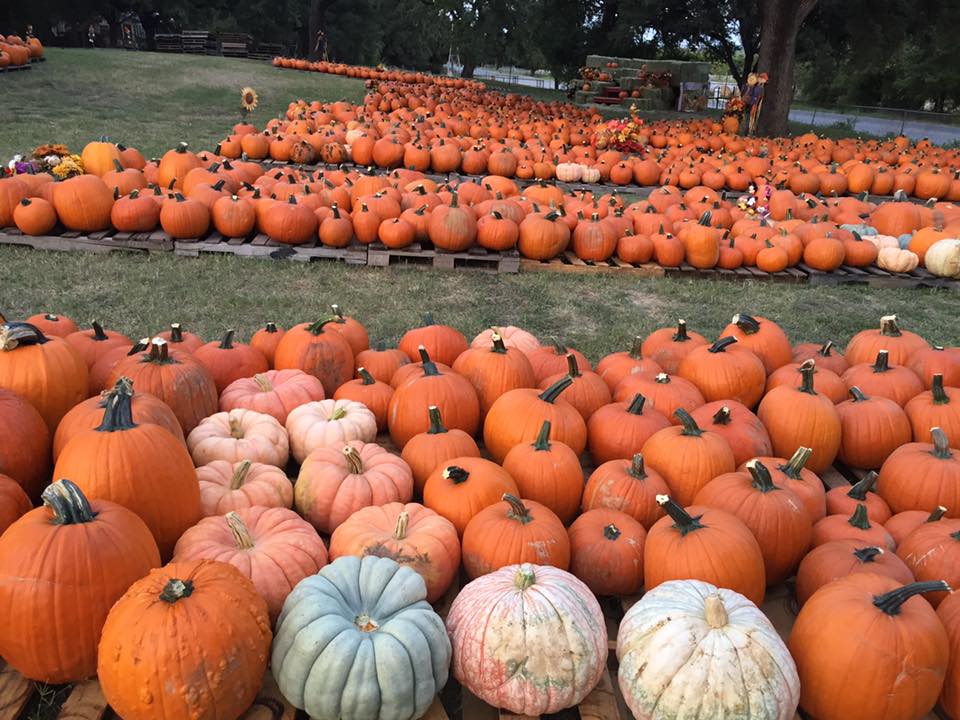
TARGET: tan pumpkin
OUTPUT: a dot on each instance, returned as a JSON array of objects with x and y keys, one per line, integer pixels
[
  {"x": 226, "y": 486},
  {"x": 239, "y": 435},
  {"x": 897, "y": 260},
  {"x": 328, "y": 423}
]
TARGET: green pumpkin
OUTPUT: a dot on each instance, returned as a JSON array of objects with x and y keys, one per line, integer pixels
[
  {"x": 359, "y": 641},
  {"x": 861, "y": 229}
]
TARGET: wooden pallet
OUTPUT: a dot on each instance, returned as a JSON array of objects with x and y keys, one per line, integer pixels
[
  {"x": 790, "y": 275},
  {"x": 423, "y": 254},
  {"x": 169, "y": 42},
  {"x": 260, "y": 246},
  {"x": 14, "y": 68},
  {"x": 568, "y": 262},
  {"x": 875, "y": 277},
  {"x": 104, "y": 241}
]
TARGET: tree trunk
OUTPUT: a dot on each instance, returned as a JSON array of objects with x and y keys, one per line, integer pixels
[
  {"x": 314, "y": 25},
  {"x": 468, "y": 67},
  {"x": 779, "y": 26}
]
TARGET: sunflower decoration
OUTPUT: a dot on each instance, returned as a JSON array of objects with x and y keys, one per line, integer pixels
[{"x": 248, "y": 99}]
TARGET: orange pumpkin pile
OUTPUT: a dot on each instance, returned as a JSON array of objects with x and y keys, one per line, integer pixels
[{"x": 16, "y": 51}]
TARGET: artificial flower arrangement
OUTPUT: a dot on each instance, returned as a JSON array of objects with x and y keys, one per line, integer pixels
[
  {"x": 49, "y": 158},
  {"x": 626, "y": 134},
  {"x": 754, "y": 205},
  {"x": 734, "y": 106}
]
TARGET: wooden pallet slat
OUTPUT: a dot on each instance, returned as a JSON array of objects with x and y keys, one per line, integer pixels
[
  {"x": 85, "y": 702},
  {"x": 15, "y": 692},
  {"x": 601, "y": 703}
]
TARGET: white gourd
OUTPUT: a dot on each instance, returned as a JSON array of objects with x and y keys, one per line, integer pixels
[{"x": 943, "y": 258}]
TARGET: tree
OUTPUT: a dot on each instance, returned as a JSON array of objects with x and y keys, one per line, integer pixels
[{"x": 780, "y": 22}]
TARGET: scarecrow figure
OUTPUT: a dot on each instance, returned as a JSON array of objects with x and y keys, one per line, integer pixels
[{"x": 753, "y": 99}]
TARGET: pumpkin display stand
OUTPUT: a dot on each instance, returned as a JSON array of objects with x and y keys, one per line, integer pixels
[{"x": 20, "y": 698}]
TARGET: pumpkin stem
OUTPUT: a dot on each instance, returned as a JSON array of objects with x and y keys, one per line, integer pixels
[
  {"x": 429, "y": 367},
  {"x": 400, "y": 531},
  {"x": 367, "y": 378},
  {"x": 118, "y": 414},
  {"x": 498, "y": 344},
  {"x": 662, "y": 379},
  {"x": 860, "y": 519},
  {"x": 241, "y": 533},
  {"x": 15, "y": 334},
  {"x": 263, "y": 382},
  {"x": 236, "y": 431},
  {"x": 227, "y": 342},
  {"x": 317, "y": 327},
  {"x": 690, "y": 427},
  {"x": 681, "y": 334},
  {"x": 635, "y": 350},
  {"x": 611, "y": 532},
  {"x": 796, "y": 462},
  {"x": 456, "y": 474},
  {"x": 807, "y": 370},
  {"x": 338, "y": 314},
  {"x": 859, "y": 490},
  {"x": 139, "y": 346},
  {"x": 436, "y": 422},
  {"x": 543, "y": 437},
  {"x": 889, "y": 327},
  {"x": 518, "y": 511},
  {"x": 722, "y": 416},
  {"x": 159, "y": 353},
  {"x": 722, "y": 344},
  {"x": 941, "y": 445},
  {"x": 890, "y": 602},
  {"x": 98, "y": 333},
  {"x": 748, "y": 324},
  {"x": 636, "y": 405},
  {"x": 240, "y": 473},
  {"x": 858, "y": 395},
  {"x": 937, "y": 514},
  {"x": 176, "y": 590},
  {"x": 637, "y": 469},
  {"x": 940, "y": 396},
  {"x": 682, "y": 520},
  {"x": 882, "y": 363},
  {"x": 525, "y": 577},
  {"x": 354, "y": 462},
  {"x": 176, "y": 333},
  {"x": 868, "y": 554},
  {"x": 551, "y": 394},
  {"x": 572, "y": 368},
  {"x": 67, "y": 503},
  {"x": 714, "y": 612},
  {"x": 761, "y": 476}
]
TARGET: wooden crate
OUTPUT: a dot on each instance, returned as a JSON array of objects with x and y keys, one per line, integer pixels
[
  {"x": 420, "y": 253},
  {"x": 104, "y": 241},
  {"x": 169, "y": 42}
]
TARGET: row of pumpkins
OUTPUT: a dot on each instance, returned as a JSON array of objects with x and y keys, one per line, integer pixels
[
  {"x": 14, "y": 50},
  {"x": 369, "y": 73},
  {"x": 698, "y": 225},
  {"x": 427, "y": 127},
  {"x": 705, "y": 492}
]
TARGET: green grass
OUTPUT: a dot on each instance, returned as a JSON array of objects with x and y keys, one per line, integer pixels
[
  {"x": 147, "y": 100},
  {"x": 141, "y": 294}
]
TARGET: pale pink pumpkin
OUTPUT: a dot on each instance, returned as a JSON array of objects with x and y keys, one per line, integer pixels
[
  {"x": 529, "y": 639},
  {"x": 226, "y": 486},
  {"x": 275, "y": 392},
  {"x": 239, "y": 435},
  {"x": 335, "y": 482},
  {"x": 274, "y": 547},
  {"x": 329, "y": 424},
  {"x": 513, "y": 336}
]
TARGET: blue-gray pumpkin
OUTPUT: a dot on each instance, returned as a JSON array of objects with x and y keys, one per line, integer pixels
[{"x": 359, "y": 641}]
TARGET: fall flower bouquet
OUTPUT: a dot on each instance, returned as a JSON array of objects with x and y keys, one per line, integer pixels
[{"x": 627, "y": 134}]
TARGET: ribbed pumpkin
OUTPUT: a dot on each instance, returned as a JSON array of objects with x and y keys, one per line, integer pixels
[
  {"x": 226, "y": 486},
  {"x": 668, "y": 346},
  {"x": 548, "y": 473},
  {"x": 797, "y": 417},
  {"x": 46, "y": 372},
  {"x": 919, "y": 476},
  {"x": 871, "y": 429},
  {"x": 688, "y": 457},
  {"x": 452, "y": 227},
  {"x": 326, "y": 424},
  {"x": 409, "y": 534},
  {"x": 175, "y": 378},
  {"x": 857, "y": 526},
  {"x": 25, "y": 451},
  {"x": 239, "y": 435},
  {"x": 317, "y": 350},
  {"x": 936, "y": 407},
  {"x": 511, "y": 646},
  {"x": 83, "y": 203},
  {"x": 616, "y": 366},
  {"x": 517, "y": 416},
  {"x": 228, "y": 360},
  {"x": 707, "y": 544},
  {"x": 863, "y": 629},
  {"x": 932, "y": 552},
  {"x": 551, "y": 359},
  {"x": 793, "y": 474},
  {"x": 949, "y": 613},
  {"x": 827, "y": 356},
  {"x": 442, "y": 342},
  {"x": 776, "y": 516},
  {"x": 62, "y": 566},
  {"x": 91, "y": 344},
  {"x": 928, "y": 362},
  {"x": 764, "y": 337},
  {"x": 627, "y": 486},
  {"x": 354, "y": 331},
  {"x": 425, "y": 451},
  {"x": 13, "y": 502},
  {"x": 514, "y": 531},
  {"x": 451, "y": 392},
  {"x": 880, "y": 378},
  {"x": 725, "y": 371},
  {"x": 139, "y": 674},
  {"x": 618, "y": 429},
  {"x": 274, "y": 547},
  {"x": 367, "y": 390},
  {"x": 666, "y": 393},
  {"x": 335, "y": 482},
  {"x": 88, "y": 414},
  {"x": 742, "y": 430},
  {"x": 904, "y": 523},
  {"x": 463, "y": 486},
  {"x": 275, "y": 392},
  {"x": 382, "y": 362},
  {"x": 899, "y": 344},
  {"x": 840, "y": 558},
  {"x": 587, "y": 393},
  {"x": 606, "y": 552},
  {"x": 494, "y": 370},
  {"x": 266, "y": 340},
  {"x": 844, "y": 500}
]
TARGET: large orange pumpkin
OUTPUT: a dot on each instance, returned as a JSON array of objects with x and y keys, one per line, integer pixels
[
  {"x": 840, "y": 558},
  {"x": 548, "y": 473},
  {"x": 25, "y": 451},
  {"x": 461, "y": 487},
  {"x": 920, "y": 476},
  {"x": 606, "y": 552},
  {"x": 725, "y": 371},
  {"x": 317, "y": 350}
]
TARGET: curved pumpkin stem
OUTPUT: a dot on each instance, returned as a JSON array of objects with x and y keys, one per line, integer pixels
[
  {"x": 747, "y": 323},
  {"x": 690, "y": 427},
  {"x": 636, "y": 405},
  {"x": 354, "y": 462},
  {"x": 682, "y": 520},
  {"x": 939, "y": 395},
  {"x": 15, "y": 334},
  {"x": 338, "y": 314},
  {"x": 118, "y": 413},
  {"x": 857, "y": 394},
  {"x": 400, "y": 530},
  {"x": 868, "y": 554},
  {"x": 240, "y": 473},
  {"x": 859, "y": 490},
  {"x": 317, "y": 327},
  {"x": 860, "y": 519},
  {"x": 518, "y": 511},
  {"x": 239, "y": 530},
  {"x": 98, "y": 334},
  {"x": 263, "y": 382},
  {"x": 67, "y": 503},
  {"x": 543, "y": 437},
  {"x": 429, "y": 367},
  {"x": 937, "y": 513},
  {"x": 722, "y": 344},
  {"x": 175, "y": 590},
  {"x": 891, "y": 602},
  {"x": 367, "y": 378},
  {"x": 551, "y": 394},
  {"x": 761, "y": 476},
  {"x": 573, "y": 369},
  {"x": 825, "y": 349},
  {"x": 941, "y": 445},
  {"x": 796, "y": 463}
]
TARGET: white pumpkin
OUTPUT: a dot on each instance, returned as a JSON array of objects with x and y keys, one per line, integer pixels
[
  {"x": 239, "y": 434},
  {"x": 896, "y": 260},
  {"x": 943, "y": 258},
  {"x": 882, "y": 241},
  {"x": 329, "y": 423},
  {"x": 569, "y": 172},
  {"x": 689, "y": 649},
  {"x": 589, "y": 174}
]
